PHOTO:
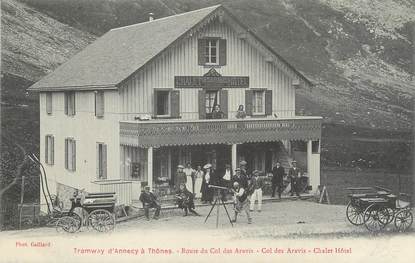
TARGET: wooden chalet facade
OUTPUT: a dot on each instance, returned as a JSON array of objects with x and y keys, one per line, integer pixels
[{"x": 136, "y": 103}]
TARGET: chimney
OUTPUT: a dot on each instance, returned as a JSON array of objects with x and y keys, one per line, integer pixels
[{"x": 150, "y": 16}]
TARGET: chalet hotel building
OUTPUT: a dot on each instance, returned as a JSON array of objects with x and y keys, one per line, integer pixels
[{"x": 130, "y": 107}]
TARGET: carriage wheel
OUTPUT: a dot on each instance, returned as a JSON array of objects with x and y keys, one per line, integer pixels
[
  {"x": 68, "y": 224},
  {"x": 375, "y": 218},
  {"x": 101, "y": 220},
  {"x": 390, "y": 213},
  {"x": 354, "y": 214},
  {"x": 403, "y": 220}
]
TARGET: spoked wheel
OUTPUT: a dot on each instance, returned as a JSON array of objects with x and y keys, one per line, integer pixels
[
  {"x": 375, "y": 218},
  {"x": 403, "y": 220},
  {"x": 354, "y": 214},
  {"x": 68, "y": 224},
  {"x": 101, "y": 220}
]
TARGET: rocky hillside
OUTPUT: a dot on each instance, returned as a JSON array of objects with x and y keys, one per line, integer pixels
[
  {"x": 32, "y": 45},
  {"x": 357, "y": 52}
]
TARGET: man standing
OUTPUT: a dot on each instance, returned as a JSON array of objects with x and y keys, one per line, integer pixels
[
  {"x": 241, "y": 202},
  {"x": 149, "y": 200},
  {"x": 294, "y": 175},
  {"x": 257, "y": 185},
  {"x": 277, "y": 180},
  {"x": 240, "y": 178}
]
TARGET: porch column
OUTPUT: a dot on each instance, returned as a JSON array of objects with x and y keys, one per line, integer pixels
[
  {"x": 234, "y": 157},
  {"x": 309, "y": 152},
  {"x": 150, "y": 167}
]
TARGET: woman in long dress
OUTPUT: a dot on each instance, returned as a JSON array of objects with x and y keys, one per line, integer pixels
[
  {"x": 189, "y": 172},
  {"x": 198, "y": 181}
]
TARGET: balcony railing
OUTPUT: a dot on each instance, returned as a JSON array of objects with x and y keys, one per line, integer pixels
[{"x": 229, "y": 131}]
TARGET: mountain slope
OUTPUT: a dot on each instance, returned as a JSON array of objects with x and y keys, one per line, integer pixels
[{"x": 357, "y": 52}]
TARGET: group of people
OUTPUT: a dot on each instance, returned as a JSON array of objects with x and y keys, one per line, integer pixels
[
  {"x": 217, "y": 113},
  {"x": 245, "y": 188}
]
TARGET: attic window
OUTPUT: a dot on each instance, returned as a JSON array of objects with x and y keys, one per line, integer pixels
[{"x": 212, "y": 51}]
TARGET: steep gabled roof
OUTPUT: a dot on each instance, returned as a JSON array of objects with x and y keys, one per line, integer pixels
[{"x": 122, "y": 51}]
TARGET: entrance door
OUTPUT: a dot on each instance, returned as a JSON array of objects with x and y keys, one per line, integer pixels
[{"x": 223, "y": 157}]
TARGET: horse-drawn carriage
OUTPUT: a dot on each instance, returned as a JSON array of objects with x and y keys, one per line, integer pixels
[
  {"x": 376, "y": 207},
  {"x": 99, "y": 211}
]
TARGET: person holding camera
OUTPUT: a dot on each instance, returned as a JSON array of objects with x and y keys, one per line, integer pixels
[{"x": 241, "y": 202}]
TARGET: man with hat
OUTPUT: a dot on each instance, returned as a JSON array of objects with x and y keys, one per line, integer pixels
[
  {"x": 294, "y": 176},
  {"x": 149, "y": 200},
  {"x": 240, "y": 178},
  {"x": 278, "y": 173},
  {"x": 241, "y": 201},
  {"x": 257, "y": 183},
  {"x": 242, "y": 166}
]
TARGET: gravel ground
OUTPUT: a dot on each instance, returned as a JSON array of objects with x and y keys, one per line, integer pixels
[{"x": 302, "y": 225}]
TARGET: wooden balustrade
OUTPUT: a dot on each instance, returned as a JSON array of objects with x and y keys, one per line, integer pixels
[{"x": 173, "y": 132}]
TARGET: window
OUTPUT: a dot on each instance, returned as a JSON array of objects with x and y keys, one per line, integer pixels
[
  {"x": 163, "y": 103},
  {"x": 70, "y": 154},
  {"x": 70, "y": 103},
  {"x": 315, "y": 146},
  {"x": 49, "y": 149},
  {"x": 99, "y": 104},
  {"x": 258, "y": 102},
  {"x": 166, "y": 103},
  {"x": 49, "y": 103},
  {"x": 211, "y": 51},
  {"x": 101, "y": 161},
  {"x": 211, "y": 98}
]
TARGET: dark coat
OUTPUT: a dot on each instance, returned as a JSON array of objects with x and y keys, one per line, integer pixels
[
  {"x": 242, "y": 181},
  {"x": 148, "y": 198},
  {"x": 294, "y": 173},
  {"x": 185, "y": 199},
  {"x": 278, "y": 174}
]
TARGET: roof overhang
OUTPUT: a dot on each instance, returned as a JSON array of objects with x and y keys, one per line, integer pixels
[{"x": 74, "y": 88}]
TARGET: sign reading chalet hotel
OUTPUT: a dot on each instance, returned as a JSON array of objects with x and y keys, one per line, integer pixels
[{"x": 211, "y": 80}]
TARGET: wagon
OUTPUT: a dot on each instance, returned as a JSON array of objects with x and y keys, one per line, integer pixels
[
  {"x": 99, "y": 208},
  {"x": 355, "y": 208},
  {"x": 377, "y": 207}
]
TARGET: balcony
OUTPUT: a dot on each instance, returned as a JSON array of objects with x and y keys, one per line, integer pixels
[{"x": 155, "y": 133}]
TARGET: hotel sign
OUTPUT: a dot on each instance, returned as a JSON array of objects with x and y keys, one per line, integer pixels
[{"x": 210, "y": 82}]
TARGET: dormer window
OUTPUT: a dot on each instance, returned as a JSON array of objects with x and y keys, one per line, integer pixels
[{"x": 212, "y": 51}]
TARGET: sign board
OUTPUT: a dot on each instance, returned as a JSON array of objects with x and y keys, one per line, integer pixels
[{"x": 210, "y": 82}]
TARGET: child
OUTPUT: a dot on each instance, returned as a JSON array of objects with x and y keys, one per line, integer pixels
[{"x": 185, "y": 200}]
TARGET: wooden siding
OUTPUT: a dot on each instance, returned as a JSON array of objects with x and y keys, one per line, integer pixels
[{"x": 243, "y": 59}]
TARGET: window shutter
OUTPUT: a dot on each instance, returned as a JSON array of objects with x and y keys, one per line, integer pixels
[
  {"x": 49, "y": 103},
  {"x": 98, "y": 164},
  {"x": 104, "y": 161},
  {"x": 175, "y": 103},
  {"x": 222, "y": 52},
  {"x": 66, "y": 95},
  {"x": 268, "y": 102},
  {"x": 73, "y": 104},
  {"x": 248, "y": 102},
  {"x": 73, "y": 155},
  {"x": 224, "y": 102},
  {"x": 202, "y": 104},
  {"x": 46, "y": 149},
  {"x": 155, "y": 103},
  {"x": 66, "y": 154},
  {"x": 201, "y": 46},
  {"x": 52, "y": 150},
  {"x": 99, "y": 104}
]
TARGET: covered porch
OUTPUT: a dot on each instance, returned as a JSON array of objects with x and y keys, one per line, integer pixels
[{"x": 151, "y": 150}]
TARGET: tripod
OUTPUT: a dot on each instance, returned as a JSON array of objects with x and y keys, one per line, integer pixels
[{"x": 217, "y": 203}]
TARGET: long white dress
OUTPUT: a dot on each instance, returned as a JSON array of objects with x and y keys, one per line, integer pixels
[
  {"x": 198, "y": 183},
  {"x": 189, "y": 183}
]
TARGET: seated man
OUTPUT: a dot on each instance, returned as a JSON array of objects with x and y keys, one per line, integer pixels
[
  {"x": 185, "y": 200},
  {"x": 149, "y": 200}
]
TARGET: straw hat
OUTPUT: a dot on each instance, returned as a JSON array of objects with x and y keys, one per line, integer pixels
[
  {"x": 180, "y": 166},
  {"x": 207, "y": 166}
]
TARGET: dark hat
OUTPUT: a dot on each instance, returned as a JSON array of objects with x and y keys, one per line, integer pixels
[{"x": 147, "y": 187}]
